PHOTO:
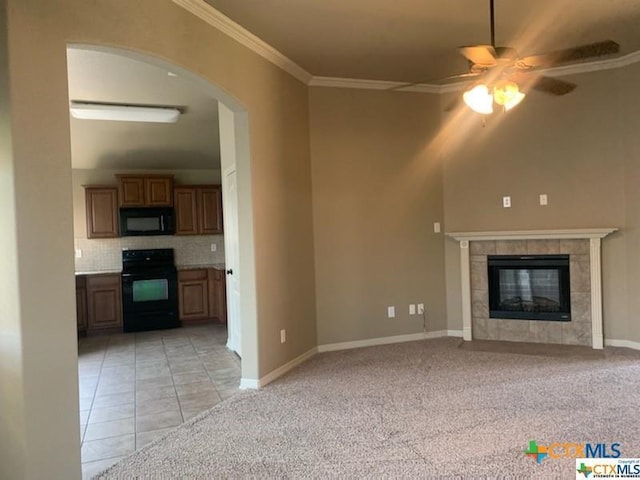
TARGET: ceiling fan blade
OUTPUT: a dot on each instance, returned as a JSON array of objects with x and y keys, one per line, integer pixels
[
  {"x": 570, "y": 55},
  {"x": 482, "y": 55},
  {"x": 553, "y": 86},
  {"x": 461, "y": 77},
  {"x": 440, "y": 81}
]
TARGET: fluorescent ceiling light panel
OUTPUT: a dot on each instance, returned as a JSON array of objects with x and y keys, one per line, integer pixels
[{"x": 123, "y": 113}]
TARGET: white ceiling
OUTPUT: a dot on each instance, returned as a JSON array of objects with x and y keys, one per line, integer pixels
[
  {"x": 416, "y": 40},
  {"x": 190, "y": 143}
]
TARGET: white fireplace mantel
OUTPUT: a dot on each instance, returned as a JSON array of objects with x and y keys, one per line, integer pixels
[
  {"x": 593, "y": 234},
  {"x": 577, "y": 233}
]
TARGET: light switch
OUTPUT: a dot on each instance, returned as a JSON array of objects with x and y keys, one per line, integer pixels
[
  {"x": 214, "y": 247},
  {"x": 391, "y": 312},
  {"x": 543, "y": 199},
  {"x": 412, "y": 309},
  {"x": 506, "y": 202},
  {"x": 78, "y": 253},
  {"x": 436, "y": 227}
]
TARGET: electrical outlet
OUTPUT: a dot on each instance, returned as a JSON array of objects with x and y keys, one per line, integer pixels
[
  {"x": 420, "y": 308},
  {"x": 283, "y": 335},
  {"x": 506, "y": 202},
  {"x": 214, "y": 247},
  {"x": 436, "y": 227},
  {"x": 412, "y": 309},
  {"x": 543, "y": 199},
  {"x": 78, "y": 253},
  {"x": 391, "y": 312}
]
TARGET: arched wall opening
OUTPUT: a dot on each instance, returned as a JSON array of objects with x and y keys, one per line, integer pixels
[{"x": 234, "y": 154}]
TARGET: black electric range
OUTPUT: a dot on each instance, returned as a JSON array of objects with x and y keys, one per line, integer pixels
[{"x": 149, "y": 290}]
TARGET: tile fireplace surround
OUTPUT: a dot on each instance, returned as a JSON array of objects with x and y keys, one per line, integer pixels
[{"x": 583, "y": 248}]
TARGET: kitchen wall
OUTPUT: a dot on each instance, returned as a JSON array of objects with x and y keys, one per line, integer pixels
[
  {"x": 582, "y": 150},
  {"x": 106, "y": 254},
  {"x": 377, "y": 190}
]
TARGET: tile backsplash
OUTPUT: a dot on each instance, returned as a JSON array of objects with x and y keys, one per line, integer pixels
[{"x": 106, "y": 254}]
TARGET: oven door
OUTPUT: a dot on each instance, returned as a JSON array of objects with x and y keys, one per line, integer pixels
[{"x": 150, "y": 300}]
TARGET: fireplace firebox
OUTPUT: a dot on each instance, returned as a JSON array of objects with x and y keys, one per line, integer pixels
[{"x": 529, "y": 287}]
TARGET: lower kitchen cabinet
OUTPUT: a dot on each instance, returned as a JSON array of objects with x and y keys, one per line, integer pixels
[
  {"x": 217, "y": 294},
  {"x": 104, "y": 302},
  {"x": 202, "y": 294},
  {"x": 81, "y": 304},
  {"x": 192, "y": 294}
]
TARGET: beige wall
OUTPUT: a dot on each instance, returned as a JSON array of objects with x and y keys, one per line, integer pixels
[
  {"x": 278, "y": 114},
  {"x": 579, "y": 150},
  {"x": 629, "y": 125},
  {"x": 13, "y": 404},
  {"x": 377, "y": 189}
]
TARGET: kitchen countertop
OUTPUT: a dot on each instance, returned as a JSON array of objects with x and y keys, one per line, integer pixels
[
  {"x": 216, "y": 266},
  {"x": 100, "y": 272}
]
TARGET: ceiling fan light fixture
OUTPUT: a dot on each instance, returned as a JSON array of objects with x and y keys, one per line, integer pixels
[
  {"x": 479, "y": 99},
  {"x": 507, "y": 94}
]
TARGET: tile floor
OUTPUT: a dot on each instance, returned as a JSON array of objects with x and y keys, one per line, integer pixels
[{"x": 135, "y": 387}]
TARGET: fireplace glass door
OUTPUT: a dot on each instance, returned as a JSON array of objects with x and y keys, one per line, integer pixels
[{"x": 531, "y": 287}]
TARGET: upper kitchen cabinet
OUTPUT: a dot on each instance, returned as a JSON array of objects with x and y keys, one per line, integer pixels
[
  {"x": 145, "y": 190},
  {"x": 210, "y": 209},
  {"x": 102, "y": 211},
  {"x": 198, "y": 210}
]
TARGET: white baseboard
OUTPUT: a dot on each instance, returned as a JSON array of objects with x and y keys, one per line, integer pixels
[
  {"x": 454, "y": 333},
  {"x": 622, "y": 343},
  {"x": 253, "y": 384},
  {"x": 372, "y": 342},
  {"x": 249, "y": 384}
]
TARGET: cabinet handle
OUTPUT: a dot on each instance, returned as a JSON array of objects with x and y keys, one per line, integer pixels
[{"x": 230, "y": 271}]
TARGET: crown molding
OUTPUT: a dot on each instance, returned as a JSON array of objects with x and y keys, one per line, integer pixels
[
  {"x": 595, "y": 66},
  {"x": 221, "y": 22},
  {"x": 338, "y": 82},
  {"x": 599, "y": 65}
]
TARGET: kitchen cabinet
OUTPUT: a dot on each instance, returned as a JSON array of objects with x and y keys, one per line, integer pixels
[
  {"x": 202, "y": 294},
  {"x": 217, "y": 294},
  {"x": 186, "y": 210},
  {"x": 193, "y": 302},
  {"x": 104, "y": 302},
  {"x": 145, "y": 190},
  {"x": 102, "y": 211},
  {"x": 81, "y": 304},
  {"x": 198, "y": 209}
]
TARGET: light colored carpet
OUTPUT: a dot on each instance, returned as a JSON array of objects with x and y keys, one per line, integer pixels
[{"x": 412, "y": 410}]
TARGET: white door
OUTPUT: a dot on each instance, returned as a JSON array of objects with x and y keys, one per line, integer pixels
[{"x": 231, "y": 253}]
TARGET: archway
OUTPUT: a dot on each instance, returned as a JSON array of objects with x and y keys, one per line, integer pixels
[{"x": 235, "y": 155}]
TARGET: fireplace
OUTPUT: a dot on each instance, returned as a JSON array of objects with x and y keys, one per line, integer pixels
[{"x": 529, "y": 287}]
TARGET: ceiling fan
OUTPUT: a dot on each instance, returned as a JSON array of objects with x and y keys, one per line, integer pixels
[{"x": 504, "y": 69}]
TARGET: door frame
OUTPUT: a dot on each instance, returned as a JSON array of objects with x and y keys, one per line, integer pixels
[{"x": 233, "y": 314}]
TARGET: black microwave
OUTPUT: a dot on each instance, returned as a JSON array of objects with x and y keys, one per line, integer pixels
[{"x": 146, "y": 221}]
